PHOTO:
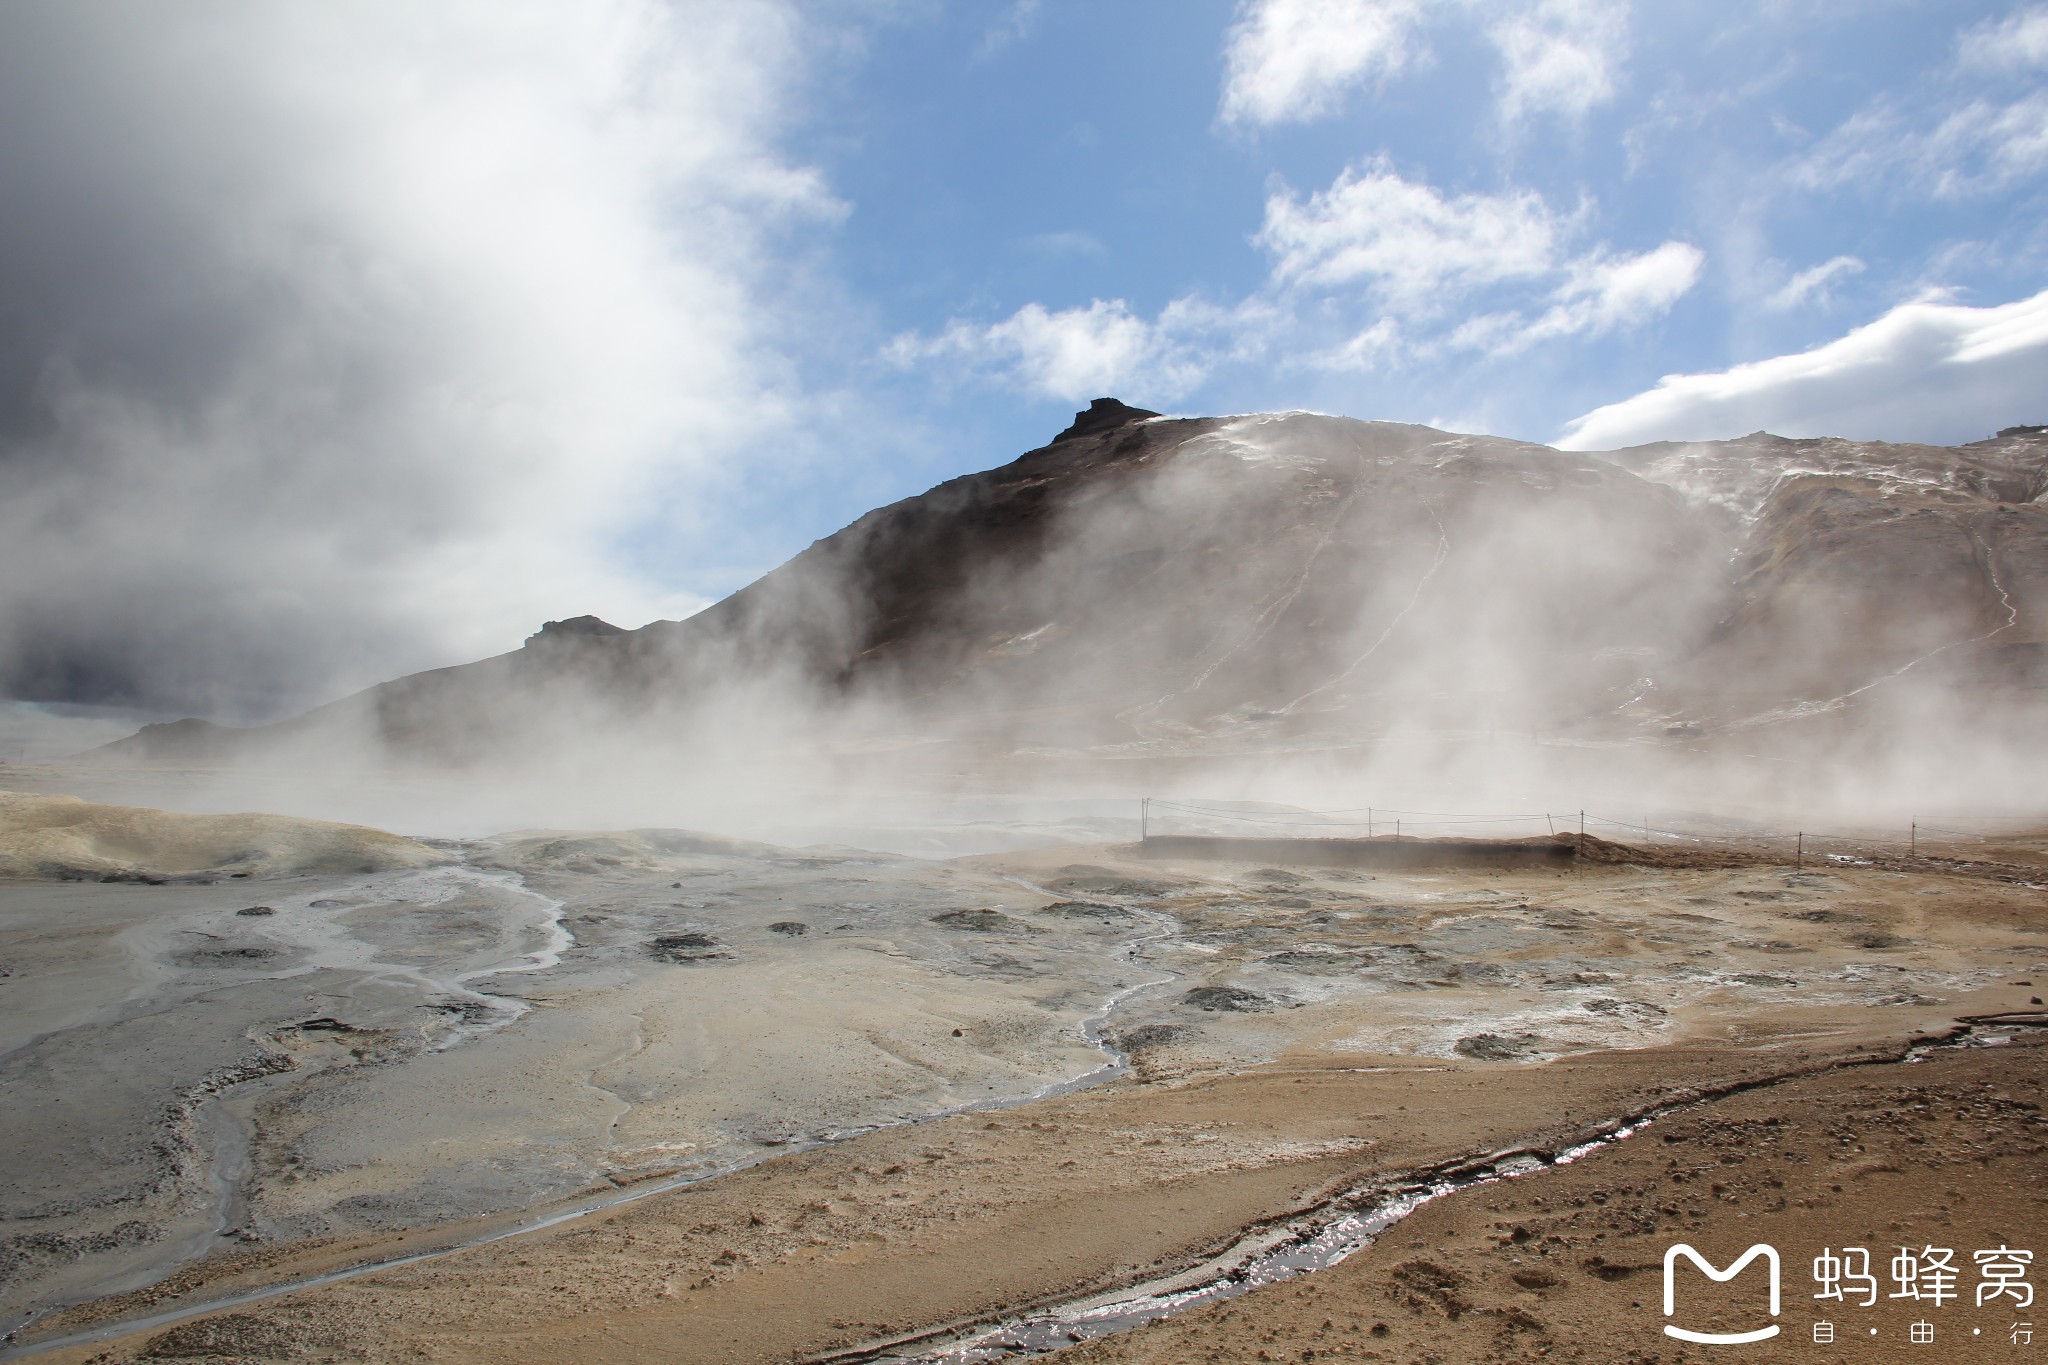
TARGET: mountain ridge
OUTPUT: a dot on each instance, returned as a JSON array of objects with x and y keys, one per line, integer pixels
[{"x": 1151, "y": 580}]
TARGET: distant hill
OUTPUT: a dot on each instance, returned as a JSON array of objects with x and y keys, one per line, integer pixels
[{"x": 1287, "y": 581}]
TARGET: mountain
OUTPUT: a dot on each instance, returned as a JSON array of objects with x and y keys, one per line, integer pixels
[{"x": 1290, "y": 581}]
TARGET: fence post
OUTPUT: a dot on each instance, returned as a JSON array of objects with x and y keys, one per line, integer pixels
[
  {"x": 1799, "y": 856},
  {"x": 1913, "y": 841},
  {"x": 1582, "y": 834}
]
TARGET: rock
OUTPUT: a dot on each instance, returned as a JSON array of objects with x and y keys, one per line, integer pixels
[
  {"x": 1232, "y": 998},
  {"x": 685, "y": 948},
  {"x": 1108, "y": 885},
  {"x": 1147, "y": 1036},
  {"x": 984, "y": 922},
  {"x": 1104, "y": 414},
  {"x": 1493, "y": 1047},
  {"x": 573, "y": 629},
  {"x": 1086, "y": 910}
]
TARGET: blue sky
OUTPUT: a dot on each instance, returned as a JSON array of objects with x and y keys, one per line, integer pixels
[
  {"x": 1341, "y": 229},
  {"x": 1497, "y": 217},
  {"x": 343, "y": 341}
]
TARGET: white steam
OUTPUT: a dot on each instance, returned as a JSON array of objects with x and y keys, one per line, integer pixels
[{"x": 339, "y": 336}]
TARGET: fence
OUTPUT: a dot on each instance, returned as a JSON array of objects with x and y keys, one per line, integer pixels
[{"x": 1243, "y": 822}]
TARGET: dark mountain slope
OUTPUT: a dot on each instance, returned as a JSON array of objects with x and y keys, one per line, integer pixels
[{"x": 1289, "y": 580}]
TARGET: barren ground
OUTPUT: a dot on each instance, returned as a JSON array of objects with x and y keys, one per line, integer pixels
[{"x": 564, "y": 1020}]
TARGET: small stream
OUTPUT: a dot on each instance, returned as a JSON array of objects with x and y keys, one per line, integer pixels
[
  {"x": 335, "y": 947},
  {"x": 1094, "y": 1029},
  {"x": 1316, "y": 1241},
  {"x": 223, "y": 1136},
  {"x": 228, "y": 1149}
]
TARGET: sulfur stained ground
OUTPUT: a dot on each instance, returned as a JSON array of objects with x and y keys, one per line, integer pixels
[{"x": 1609, "y": 992}]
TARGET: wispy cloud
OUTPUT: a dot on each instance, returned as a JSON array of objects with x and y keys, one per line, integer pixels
[
  {"x": 1293, "y": 61},
  {"x": 1423, "y": 255},
  {"x": 1086, "y": 352},
  {"x": 1927, "y": 370},
  {"x": 2017, "y": 42},
  {"x": 1560, "y": 56},
  {"x": 1290, "y": 61},
  {"x": 1973, "y": 126},
  {"x": 1054, "y": 245},
  {"x": 1012, "y": 26},
  {"x": 1414, "y": 247},
  {"x": 1812, "y": 283},
  {"x": 1407, "y": 261},
  {"x": 1601, "y": 294},
  {"x": 1978, "y": 146}
]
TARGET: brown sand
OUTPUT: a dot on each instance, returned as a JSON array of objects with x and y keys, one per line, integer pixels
[
  {"x": 968, "y": 1218},
  {"x": 1568, "y": 1264}
]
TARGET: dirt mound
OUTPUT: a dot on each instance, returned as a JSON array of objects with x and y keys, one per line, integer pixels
[
  {"x": 66, "y": 838},
  {"x": 1593, "y": 849},
  {"x": 625, "y": 852},
  {"x": 984, "y": 922}
]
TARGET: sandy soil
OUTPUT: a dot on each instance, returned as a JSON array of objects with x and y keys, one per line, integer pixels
[
  {"x": 1568, "y": 1264},
  {"x": 1296, "y": 1033},
  {"x": 552, "y": 1018},
  {"x": 57, "y": 836}
]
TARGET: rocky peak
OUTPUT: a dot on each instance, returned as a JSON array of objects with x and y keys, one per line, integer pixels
[
  {"x": 574, "y": 627},
  {"x": 1104, "y": 414}
]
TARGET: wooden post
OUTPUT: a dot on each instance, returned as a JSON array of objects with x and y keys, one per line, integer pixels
[
  {"x": 1582, "y": 834},
  {"x": 1799, "y": 857},
  {"x": 1397, "y": 829},
  {"x": 1913, "y": 841}
]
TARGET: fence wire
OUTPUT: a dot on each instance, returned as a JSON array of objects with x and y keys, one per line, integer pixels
[{"x": 1192, "y": 816}]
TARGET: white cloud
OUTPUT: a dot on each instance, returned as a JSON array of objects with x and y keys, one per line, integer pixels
[
  {"x": 1420, "y": 254},
  {"x": 1413, "y": 246},
  {"x": 1412, "y": 255},
  {"x": 1977, "y": 147},
  {"x": 1416, "y": 254},
  {"x": 1605, "y": 294},
  {"x": 1013, "y": 26},
  {"x": 1104, "y": 348},
  {"x": 1054, "y": 245},
  {"x": 1602, "y": 295},
  {"x": 1369, "y": 350},
  {"x": 1560, "y": 56},
  {"x": 2007, "y": 143},
  {"x": 2017, "y": 42},
  {"x": 1928, "y": 370},
  {"x": 1293, "y": 60},
  {"x": 1812, "y": 283},
  {"x": 1977, "y": 126},
  {"x": 355, "y": 327}
]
